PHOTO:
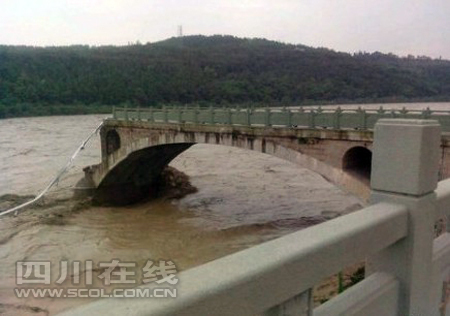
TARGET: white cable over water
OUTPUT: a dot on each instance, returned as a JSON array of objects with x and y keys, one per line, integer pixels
[{"x": 58, "y": 176}]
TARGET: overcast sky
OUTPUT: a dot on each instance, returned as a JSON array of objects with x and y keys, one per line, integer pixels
[{"x": 418, "y": 27}]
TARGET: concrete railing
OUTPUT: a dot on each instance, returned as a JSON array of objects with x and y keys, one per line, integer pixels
[
  {"x": 336, "y": 118},
  {"x": 407, "y": 268}
]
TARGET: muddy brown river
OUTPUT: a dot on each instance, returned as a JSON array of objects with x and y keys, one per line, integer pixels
[{"x": 244, "y": 198}]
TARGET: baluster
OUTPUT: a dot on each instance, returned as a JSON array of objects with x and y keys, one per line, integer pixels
[
  {"x": 138, "y": 113},
  {"x": 249, "y": 123},
  {"x": 114, "y": 112},
  {"x": 229, "y": 117}
]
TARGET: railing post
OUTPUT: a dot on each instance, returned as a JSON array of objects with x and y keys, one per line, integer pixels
[
  {"x": 312, "y": 119},
  {"x": 289, "y": 117},
  {"x": 165, "y": 114},
  {"x": 363, "y": 118},
  {"x": 267, "y": 117},
  {"x": 404, "y": 171},
  {"x": 403, "y": 112},
  {"x": 380, "y": 113},
  {"x": 151, "y": 117},
  {"x": 174, "y": 111},
  {"x": 337, "y": 118},
  {"x": 138, "y": 113},
  {"x": 211, "y": 114},
  {"x": 249, "y": 122},
  {"x": 195, "y": 109},
  {"x": 114, "y": 112},
  {"x": 229, "y": 116},
  {"x": 426, "y": 114},
  {"x": 126, "y": 113},
  {"x": 393, "y": 115},
  {"x": 180, "y": 114}
]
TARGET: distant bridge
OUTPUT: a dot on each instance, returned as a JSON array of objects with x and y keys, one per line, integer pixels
[{"x": 138, "y": 143}]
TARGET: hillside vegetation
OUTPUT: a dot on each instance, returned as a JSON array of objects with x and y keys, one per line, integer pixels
[{"x": 207, "y": 70}]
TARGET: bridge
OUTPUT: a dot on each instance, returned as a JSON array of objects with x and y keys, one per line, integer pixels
[
  {"x": 336, "y": 143},
  {"x": 407, "y": 259}
]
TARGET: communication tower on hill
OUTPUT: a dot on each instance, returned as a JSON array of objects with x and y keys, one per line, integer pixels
[{"x": 180, "y": 31}]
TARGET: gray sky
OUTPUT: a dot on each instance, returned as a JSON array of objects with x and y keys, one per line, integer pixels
[{"x": 418, "y": 27}]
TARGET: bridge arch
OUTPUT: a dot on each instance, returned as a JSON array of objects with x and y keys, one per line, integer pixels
[
  {"x": 358, "y": 162},
  {"x": 133, "y": 178}
]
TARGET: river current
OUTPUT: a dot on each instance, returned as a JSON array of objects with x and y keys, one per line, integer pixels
[{"x": 244, "y": 198}]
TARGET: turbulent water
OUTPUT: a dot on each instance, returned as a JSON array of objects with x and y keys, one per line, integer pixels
[{"x": 243, "y": 198}]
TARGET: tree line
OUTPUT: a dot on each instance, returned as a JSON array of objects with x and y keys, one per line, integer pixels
[{"x": 215, "y": 70}]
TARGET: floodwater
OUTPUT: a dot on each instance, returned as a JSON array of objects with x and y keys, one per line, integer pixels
[{"x": 244, "y": 198}]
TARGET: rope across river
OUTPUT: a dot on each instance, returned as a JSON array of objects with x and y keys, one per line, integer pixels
[{"x": 57, "y": 177}]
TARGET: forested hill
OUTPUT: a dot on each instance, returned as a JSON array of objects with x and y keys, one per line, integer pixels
[{"x": 205, "y": 70}]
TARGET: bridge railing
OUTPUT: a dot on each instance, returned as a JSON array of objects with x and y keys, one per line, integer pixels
[
  {"x": 336, "y": 118},
  {"x": 407, "y": 267}
]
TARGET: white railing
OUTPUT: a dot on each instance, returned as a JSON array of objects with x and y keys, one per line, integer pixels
[
  {"x": 406, "y": 266},
  {"x": 308, "y": 117}
]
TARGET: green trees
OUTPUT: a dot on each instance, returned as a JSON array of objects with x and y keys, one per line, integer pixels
[{"x": 213, "y": 70}]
